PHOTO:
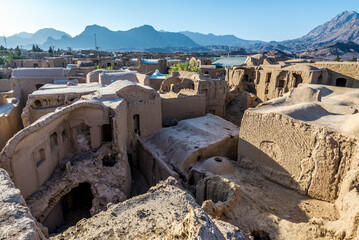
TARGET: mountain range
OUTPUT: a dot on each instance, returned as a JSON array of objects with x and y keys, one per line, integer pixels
[{"x": 342, "y": 28}]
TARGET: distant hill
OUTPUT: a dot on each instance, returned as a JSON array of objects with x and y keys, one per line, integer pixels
[
  {"x": 136, "y": 38},
  {"x": 28, "y": 39},
  {"x": 346, "y": 50},
  {"x": 341, "y": 29},
  {"x": 229, "y": 40}
]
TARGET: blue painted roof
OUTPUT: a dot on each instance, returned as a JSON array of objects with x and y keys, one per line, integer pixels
[
  {"x": 153, "y": 61},
  {"x": 157, "y": 74}
]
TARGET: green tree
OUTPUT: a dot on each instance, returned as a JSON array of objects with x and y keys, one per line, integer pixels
[
  {"x": 185, "y": 66},
  {"x": 9, "y": 55},
  {"x": 354, "y": 59},
  {"x": 51, "y": 51},
  {"x": 35, "y": 48},
  {"x": 18, "y": 52},
  {"x": 2, "y": 48},
  {"x": 337, "y": 59}
]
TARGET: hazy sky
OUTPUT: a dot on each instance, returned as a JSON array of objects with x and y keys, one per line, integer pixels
[{"x": 249, "y": 19}]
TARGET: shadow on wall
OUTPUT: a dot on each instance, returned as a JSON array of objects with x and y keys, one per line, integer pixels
[{"x": 273, "y": 171}]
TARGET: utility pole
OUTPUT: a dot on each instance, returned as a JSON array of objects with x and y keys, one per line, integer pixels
[
  {"x": 22, "y": 57},
  {"x": 96, "y": 47},
  {"x": 5, "y": 41}
]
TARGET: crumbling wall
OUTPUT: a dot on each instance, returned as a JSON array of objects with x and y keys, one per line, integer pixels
[
  {"x": 48, "y": 141},
  {"x": 308, "y": 158},
  {"x": 108, "y": 174},
  {"x": 166, "y": 211},
  {"x": 10, "y": 120},
  {"x": 152, "y": 168},
  {"x": 16, "y": 220}
]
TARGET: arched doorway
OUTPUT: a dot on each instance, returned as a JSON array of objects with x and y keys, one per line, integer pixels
[
  {"x": 297, "y": 79},
  {"x": 341, "y": 82},
  {"x": 72, "y": 207}
]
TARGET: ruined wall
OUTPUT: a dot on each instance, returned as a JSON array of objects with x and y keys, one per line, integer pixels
[
  {"x": 165, "y": 212},
  {"x": 301, "y": 156},
  {"x": 107, "y": 173},
  {"x": 269, "y": 82},
  {"x": 152, "y": 168},
  {"x": 10, "y": 120},
  {"x": 16, "y": 220},
  {"x": 346, "y": 70},
  {"x": 77, "y": 128},
  {"x": 161, "y": 66},
  {"x": 38, "y": 105},
  {"x": 5, "y": 85},
  {"x": 182, "y": 106}
]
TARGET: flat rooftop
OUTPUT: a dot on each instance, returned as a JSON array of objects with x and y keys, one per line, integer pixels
[
  {"x": 338, "y": 108},
  {"x": 53, "y": 89}
]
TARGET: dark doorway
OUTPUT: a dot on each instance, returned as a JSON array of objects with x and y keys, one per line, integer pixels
[
  {"x": 77, "y": 204},
  {"x": 268, "y": 77},
  {"x": 106, "y": 133},
  {"x": 281, "y": 83},
  {"x": 320, "y": 79},
  {"x": 72, "y": 207},
  {"x": 297, "y": 79},
  {"x": 341, "y": 82},
  {"x": 39, "y": 86},
  {"x": 136, "y": 124}
]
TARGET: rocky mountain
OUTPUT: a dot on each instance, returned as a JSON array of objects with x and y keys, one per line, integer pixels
[
  {"x": 28, "y": 39},
  {"x": 346, "y": 50},
  {"x": 278, "y": 54},
  {"x": 136, "y": 38},
  {"x": 343, "y": 27}
]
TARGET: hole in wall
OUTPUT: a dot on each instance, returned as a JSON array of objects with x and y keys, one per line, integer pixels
[
  {"x": 260, "y": 235},
  {"x": 109, "y": 161}
]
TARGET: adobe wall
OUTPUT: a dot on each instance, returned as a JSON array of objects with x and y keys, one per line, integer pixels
[
  {"x": 16, "y": 221},
  {"x": 28, "y": 84},
  {"x": 5, "y": 85},
  {"x": 308, "y": 158},
  {"x": 152, "y": 168},
  {"x": 182, "y": 107},
  {"x": 150, "y": 119},
  {"x": 49, "y": 141},
  {"x": 347, "y": 70},
  {"x": 269, "y": 82},
  {"x": 10, "y": 122}
]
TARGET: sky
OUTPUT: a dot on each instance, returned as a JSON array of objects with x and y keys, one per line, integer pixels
[{"x": 267, "y": 20}]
